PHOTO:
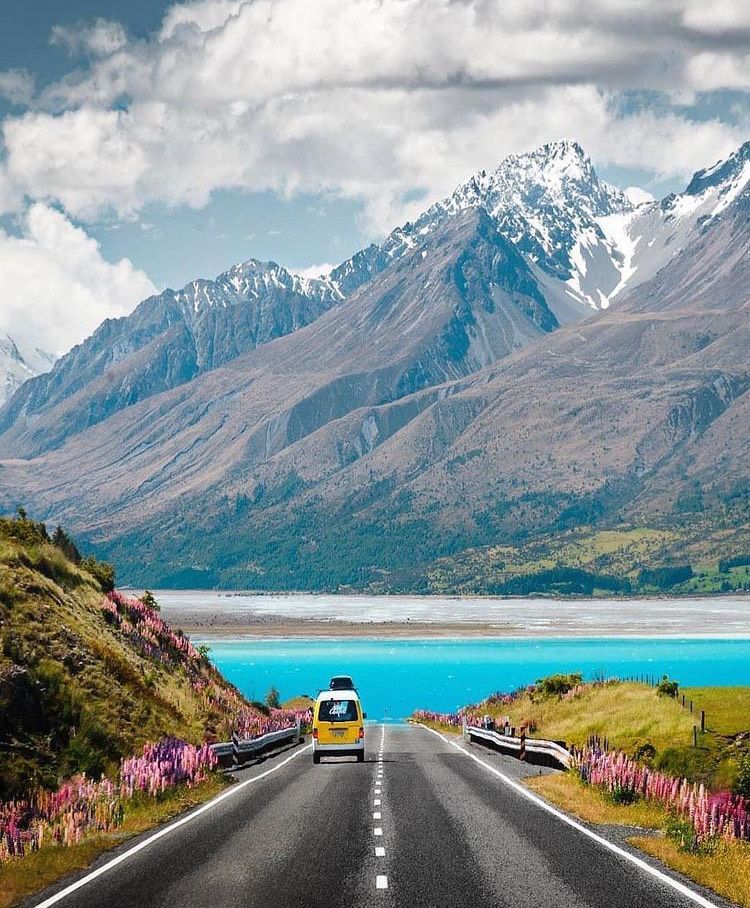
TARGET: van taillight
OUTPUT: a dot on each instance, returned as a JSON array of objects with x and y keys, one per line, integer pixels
[
  {"x": 361, "y": 732},
  {"x": 315, "y": 732}
]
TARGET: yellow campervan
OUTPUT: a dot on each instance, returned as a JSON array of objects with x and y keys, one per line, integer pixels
[{"x": 338, "y": 725}]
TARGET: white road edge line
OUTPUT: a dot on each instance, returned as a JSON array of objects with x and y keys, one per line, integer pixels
[
  {"x": 379, "y": 851},
  {"x": 522, "y": 790},
  {"x": 78, "y": 884}
]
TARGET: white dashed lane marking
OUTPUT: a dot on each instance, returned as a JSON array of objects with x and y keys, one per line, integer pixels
[{"x": 381, "y": 880}]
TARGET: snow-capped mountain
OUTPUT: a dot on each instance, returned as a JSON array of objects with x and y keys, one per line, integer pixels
[
  {"x": 172, "y": 337},
  {"x": 548, "y": 203},
  {"x": 577, "y": 244},
  {"x": 586, "y": 241},
  {"x": 545, "y": 202},
  {"x": 18, "y": 363},
  {"x": 429, "y": 379}
]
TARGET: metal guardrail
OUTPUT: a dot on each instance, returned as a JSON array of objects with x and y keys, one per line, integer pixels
[
  {"x": 241, "y": 749},
  {"x": 537, "y": 750}
]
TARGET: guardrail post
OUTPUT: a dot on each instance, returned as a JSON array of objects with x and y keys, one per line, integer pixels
[
  {"x": 235, "y": 749},
  {"x": 522, "y": 749},
  {"x": 298, "y": 728}
]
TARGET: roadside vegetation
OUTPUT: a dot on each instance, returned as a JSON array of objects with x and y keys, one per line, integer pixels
[
  {"x": 106, "y": 711},
  {"x": 640, "y": 763},
  {"x": 22, "y": 877}
]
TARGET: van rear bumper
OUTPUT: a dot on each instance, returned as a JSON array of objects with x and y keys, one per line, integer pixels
[{"x": 338, "y": 749}]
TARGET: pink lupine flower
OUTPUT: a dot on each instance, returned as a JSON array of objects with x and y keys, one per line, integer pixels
[{"x": 712, "y": 814}]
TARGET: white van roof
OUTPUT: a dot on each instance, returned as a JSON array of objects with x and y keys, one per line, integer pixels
[{"x": 338, "y": 695}]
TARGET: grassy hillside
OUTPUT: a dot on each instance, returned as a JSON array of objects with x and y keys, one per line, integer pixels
[
  {"x": 80, "y": 685},
  {"x": 636, "y": 719}
]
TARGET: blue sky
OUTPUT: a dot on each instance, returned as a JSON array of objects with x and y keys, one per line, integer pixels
[{"x": 147, "y": 143}]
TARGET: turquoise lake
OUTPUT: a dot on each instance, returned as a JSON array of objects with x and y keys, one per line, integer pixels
[{"x": 396, "y": 676}]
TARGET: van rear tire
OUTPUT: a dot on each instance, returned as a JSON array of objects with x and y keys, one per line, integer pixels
[
  {"x": 361, "y": 757},
  {"x": 316, "y": 759}
]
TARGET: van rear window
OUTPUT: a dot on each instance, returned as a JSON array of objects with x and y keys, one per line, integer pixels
[{"x": 338, "y": 711}]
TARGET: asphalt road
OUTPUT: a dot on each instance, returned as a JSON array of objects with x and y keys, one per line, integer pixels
[{"x": 427, "y": 826}]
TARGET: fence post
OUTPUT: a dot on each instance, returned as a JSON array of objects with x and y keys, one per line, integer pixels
[
  {"x": 691, "y": 706},
  {"x": 695, "y": 736},
  {"x": 683, "y": 701},
  {"x": 703, "y": 720}
]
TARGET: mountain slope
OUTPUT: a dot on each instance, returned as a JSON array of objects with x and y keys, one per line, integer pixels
[
  {"x": 465, "y": 300},
  {"x": 439, "y": 406},
  {"x": 540, "y": 202},
  {"x": 638, "y": 243},
  {"x": 638, "y": 414}
]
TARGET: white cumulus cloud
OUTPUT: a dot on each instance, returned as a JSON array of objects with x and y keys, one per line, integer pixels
[
  {"x": 56, "y": 287},
  {"x": 313, "y": 271},
  {"x": 373, "y": 100}
]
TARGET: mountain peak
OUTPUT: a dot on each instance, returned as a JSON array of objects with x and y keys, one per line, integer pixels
[
  {"x": 729, "y": 175},
  {"x": 252, "y": 279},
  {"x": 543, "y": 200}
]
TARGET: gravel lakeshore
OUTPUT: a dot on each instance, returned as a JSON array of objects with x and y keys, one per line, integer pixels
[
  {"x": 223, "y": 625},
  {"x": 213, "y": 613},
  {"x": 218, "y": 623}
]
